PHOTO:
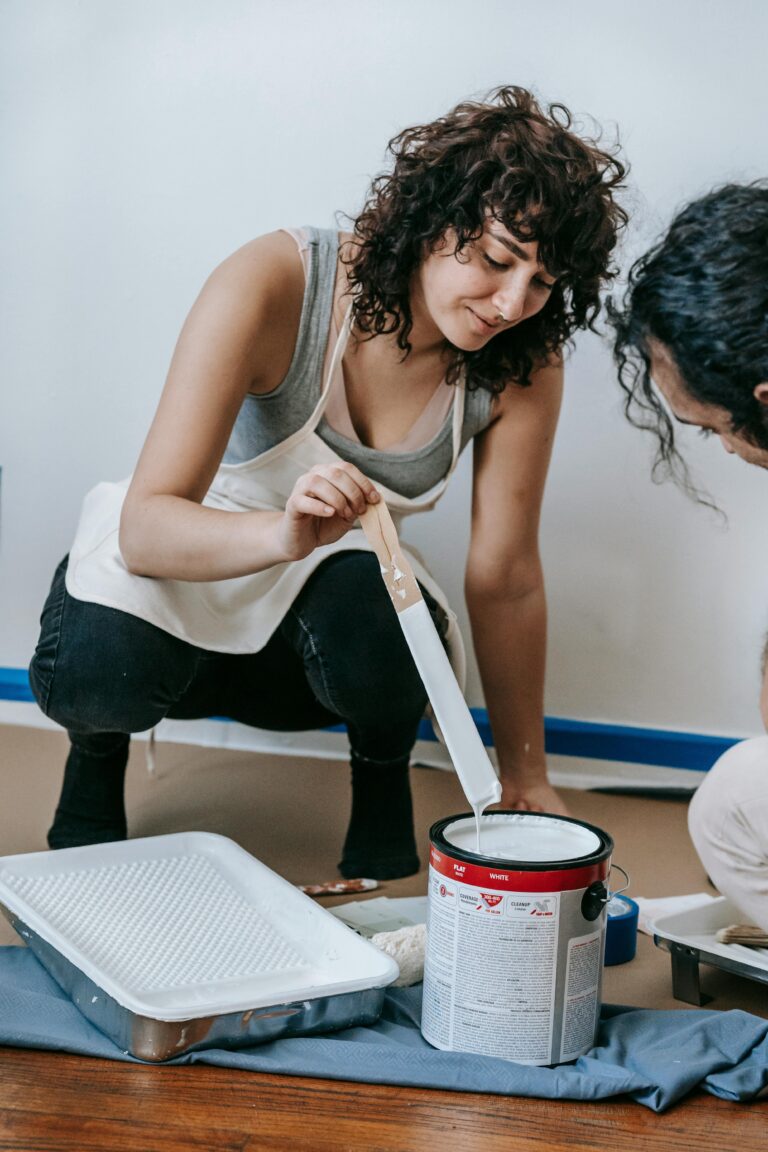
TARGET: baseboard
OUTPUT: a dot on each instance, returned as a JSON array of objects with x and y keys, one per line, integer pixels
[{"x": 616, "y": 744}]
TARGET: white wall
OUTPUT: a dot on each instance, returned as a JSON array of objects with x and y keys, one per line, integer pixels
[{"x": 144, "y": 140}]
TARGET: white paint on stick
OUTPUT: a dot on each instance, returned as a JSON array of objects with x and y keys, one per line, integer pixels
[{"x": 470, "y": 759}]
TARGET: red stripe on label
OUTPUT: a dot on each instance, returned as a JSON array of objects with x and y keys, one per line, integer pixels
[{"x": 504, "y": 880}]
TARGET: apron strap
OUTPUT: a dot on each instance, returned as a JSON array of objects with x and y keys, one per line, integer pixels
[
  {"x": 338, "y": 353},
  {"x": 459, "y": 403},
  {"x": 459, "y": 400}
]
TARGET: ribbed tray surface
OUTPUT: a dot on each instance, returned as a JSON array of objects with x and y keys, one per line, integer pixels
[{"x": 159, "y": 924}]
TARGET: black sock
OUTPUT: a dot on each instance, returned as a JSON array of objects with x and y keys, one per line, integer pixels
[
  {"x": 91, "y": 809},
  {"x": 380, "y": 842}
]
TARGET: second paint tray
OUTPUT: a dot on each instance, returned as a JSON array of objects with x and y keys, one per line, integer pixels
[{"x": 691, "y": 939}]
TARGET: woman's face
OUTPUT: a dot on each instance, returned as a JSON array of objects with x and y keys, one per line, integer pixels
[
  {"x": 493, "y": 284},
  {"x": 711, "y": 418}
]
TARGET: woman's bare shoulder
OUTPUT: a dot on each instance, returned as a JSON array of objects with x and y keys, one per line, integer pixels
[
  {"x": 268, "y": 266},
  {"x": 544, "y": 390},
  {"x": 262, "y": 285}
]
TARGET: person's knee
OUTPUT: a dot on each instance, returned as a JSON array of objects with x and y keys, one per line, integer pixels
[
  {"x": 369, "y": 676},
  {"x": 728, "y": 815},
  {"x": 354, "y": 650},
  {"x": 84, "y": 700},
  {"x": 108, "y": 674}
]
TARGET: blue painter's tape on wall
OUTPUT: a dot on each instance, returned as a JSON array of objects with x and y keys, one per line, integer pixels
[
  {"x": 14, "y": 684},
  {"x": 563, "y": 737},
  {"x": 618, "y": 742},
  {"x": 634, "y": 745}
]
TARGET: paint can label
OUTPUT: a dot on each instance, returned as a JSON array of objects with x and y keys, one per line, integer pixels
[
  {"x": 582, "y": 995},
  {"x": 490, "y": 982},
  {"x": 491, "y": 974}
]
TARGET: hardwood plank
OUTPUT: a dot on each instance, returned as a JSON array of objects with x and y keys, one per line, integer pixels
[
  {"x": 30, "y": 1132},
  {"x": 71, "y": 1104}
]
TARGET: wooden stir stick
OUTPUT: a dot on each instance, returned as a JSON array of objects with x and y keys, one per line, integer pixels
[
  {"x": 396, "y": 572},
  {"x": 470, "y": 759}
]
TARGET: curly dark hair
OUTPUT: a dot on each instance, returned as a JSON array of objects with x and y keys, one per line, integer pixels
[
  {"x": 508, "y": 158},
  {"x": 702, "y": 293}
]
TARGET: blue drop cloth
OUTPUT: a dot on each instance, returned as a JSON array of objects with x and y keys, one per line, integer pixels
[{"x": 656, "y": 1057}]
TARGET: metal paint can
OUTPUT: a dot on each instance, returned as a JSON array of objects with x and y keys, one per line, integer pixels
[{"x": 515, "y": 936}]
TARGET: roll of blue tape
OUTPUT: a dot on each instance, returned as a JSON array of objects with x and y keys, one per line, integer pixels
[{"x": 621, "y": 930}]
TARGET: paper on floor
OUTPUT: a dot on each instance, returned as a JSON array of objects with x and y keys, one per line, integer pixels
[{"x": 382, "y": 913}]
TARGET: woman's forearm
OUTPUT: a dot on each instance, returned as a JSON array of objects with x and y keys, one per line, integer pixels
[
  {"x": 509, "y": 634},
  {"x": 172, "y": 537},
  {"x": 169, "y": 537}
]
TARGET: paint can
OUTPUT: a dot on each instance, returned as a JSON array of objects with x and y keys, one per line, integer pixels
[{"x": 515, "y": 936}]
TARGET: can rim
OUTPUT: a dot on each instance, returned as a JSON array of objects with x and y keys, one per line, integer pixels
[{"x": 442, "y": 844}]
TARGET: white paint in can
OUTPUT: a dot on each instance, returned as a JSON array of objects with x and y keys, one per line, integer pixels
[
  {"x": 516, "y": 836},
  {"x": 515, "y": 937}
]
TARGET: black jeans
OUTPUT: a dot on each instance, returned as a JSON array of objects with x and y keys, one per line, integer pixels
[{"x": 337, "y": 655}]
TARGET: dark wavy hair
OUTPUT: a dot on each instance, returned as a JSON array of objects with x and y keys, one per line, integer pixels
[
  {"x": 702, "y": 293},
  {"x": 509, "y": 158}
]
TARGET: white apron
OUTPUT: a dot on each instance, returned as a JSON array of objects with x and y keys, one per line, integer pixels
[{"x": 239, "y": 615}]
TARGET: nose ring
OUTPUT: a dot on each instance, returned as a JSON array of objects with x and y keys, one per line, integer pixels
[{"x": 501, "y": 317}]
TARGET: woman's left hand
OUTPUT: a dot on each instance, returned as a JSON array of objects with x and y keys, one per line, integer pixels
[{"x": 534, "y": 798}]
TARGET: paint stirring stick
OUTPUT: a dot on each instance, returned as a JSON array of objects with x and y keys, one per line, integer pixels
[
  {"x": 338, "y": 887},
  {"x": 470, "y": 759}
]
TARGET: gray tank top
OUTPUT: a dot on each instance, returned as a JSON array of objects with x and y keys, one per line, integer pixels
[{"x": 264, "y": 421}]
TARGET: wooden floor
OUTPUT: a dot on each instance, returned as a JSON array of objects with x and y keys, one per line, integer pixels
[
  {"x": 52, "y": 1102},
  {"x": 67, "y": 1103}
]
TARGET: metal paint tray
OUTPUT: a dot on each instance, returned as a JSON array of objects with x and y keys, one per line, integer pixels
[
  {"x": 690, "y": 938},
  {"x": 172, "y": 943}
]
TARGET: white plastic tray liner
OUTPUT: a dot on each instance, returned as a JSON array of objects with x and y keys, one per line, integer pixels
[
  {"x": 698, "y": 927},
  {"x": 187, "y": 925}
]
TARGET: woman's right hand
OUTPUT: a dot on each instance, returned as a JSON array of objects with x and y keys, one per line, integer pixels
[{"x": 323, "y": 506}]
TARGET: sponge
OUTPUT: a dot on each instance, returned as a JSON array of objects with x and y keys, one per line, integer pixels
[{"x": 406, "y": 946}]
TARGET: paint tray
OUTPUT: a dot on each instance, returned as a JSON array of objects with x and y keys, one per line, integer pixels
[
  {"x": 181, "y": 942},
  {"x": 691, "y": 939}
]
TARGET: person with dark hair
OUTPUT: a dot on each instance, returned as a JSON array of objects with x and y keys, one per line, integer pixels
[
  {"x": 318, "y": 372},
  {"x": 691, "y": 345},
  {"x": 691, "y": 341}
]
